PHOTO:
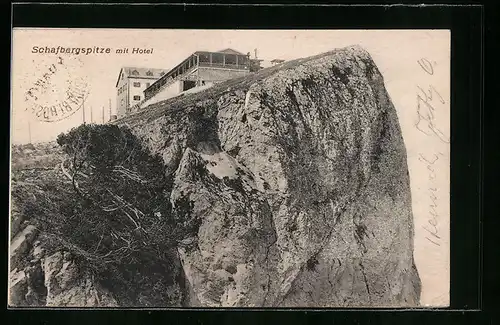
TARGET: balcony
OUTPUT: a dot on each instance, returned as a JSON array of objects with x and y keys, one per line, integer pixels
[
  {"x": 216, "y": 60},
  {"x": 166, "y": 81},
  {"x": 223, "y": 66}
]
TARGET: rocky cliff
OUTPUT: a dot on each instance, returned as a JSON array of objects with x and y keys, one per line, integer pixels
[
  {"x": 52, "y": 280},
  {"x": 298, "y": 179},
  {"x": 295, "y": 182}
]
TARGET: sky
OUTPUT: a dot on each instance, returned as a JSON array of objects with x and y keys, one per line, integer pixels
[
  {"x": 169, "y": 48},
  {"x": 397, "y": 54}
]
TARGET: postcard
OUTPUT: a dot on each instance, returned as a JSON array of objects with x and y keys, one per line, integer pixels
[{"x": 230, "y": 168}]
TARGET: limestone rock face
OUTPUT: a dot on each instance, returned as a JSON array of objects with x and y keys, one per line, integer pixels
[
  {"x": 229, "y": 262},
  {"x": 294, "y": 182},
  {"x": 67, "y": 287},
  {"x": 20, "y": 245},
  {"x": 38, "y": 279}
]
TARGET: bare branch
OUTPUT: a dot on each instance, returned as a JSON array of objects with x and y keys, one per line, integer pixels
[
  {"x": 99, "y": 243},
  {"x": 132, "y": 219}
]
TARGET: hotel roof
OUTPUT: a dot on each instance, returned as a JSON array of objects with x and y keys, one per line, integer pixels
[
  {"x": 230, "y": 51},
  {"x": 137, "y": 72}
]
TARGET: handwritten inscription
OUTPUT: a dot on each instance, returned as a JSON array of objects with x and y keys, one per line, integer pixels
[
  {"x": 432, "y": 222},
  {"x": 428, "y": 101}
]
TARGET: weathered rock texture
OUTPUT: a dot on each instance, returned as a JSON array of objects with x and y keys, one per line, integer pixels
[
  {"x": 52, "y": 280},
  {"x": 296, "y": 182}
]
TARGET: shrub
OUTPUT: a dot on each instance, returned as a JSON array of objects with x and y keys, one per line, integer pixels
[{"x": 109, "y": 207}]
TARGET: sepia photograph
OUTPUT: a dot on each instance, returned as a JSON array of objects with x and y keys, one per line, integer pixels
[{"x": 192, "y": 168}]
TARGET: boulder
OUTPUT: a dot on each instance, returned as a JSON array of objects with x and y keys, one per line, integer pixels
[
  {"x": 67, "y": 286},
  {"x": 295, "y": 183},
  {"x": 21, "y": 245},
  {"x": 18, "y": 288}
]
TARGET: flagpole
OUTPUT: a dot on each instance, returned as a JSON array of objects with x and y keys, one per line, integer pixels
[{"x": 83, "y": 110}]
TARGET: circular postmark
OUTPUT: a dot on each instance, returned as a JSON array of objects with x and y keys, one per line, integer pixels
[{"x": 59, "y": 89}]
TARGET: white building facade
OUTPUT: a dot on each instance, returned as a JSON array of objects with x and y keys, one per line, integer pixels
[{"x": 130, "y": 86}]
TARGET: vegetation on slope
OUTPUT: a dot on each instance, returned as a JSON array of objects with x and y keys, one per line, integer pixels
[
  {"x": 108, "y": 205},
  {"x": 35, "y": 156}
]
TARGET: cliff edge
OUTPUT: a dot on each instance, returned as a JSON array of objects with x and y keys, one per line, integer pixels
[{"x": 297, "y": 179}]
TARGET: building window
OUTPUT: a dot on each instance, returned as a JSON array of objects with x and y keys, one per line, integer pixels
[
  {"x": 204, "y": 57},
  {"x": 149, "y": 73},
  {"x": 231, "y": 59},
  {"x": 135, "y": 72},
  {"x": 217, "y": 58},
  {"x": 137, "y": 97},
  {"x": 162, "y": 73},
  {"x": 137, "y": 84},
  {"x": 147, "y": 84}
]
